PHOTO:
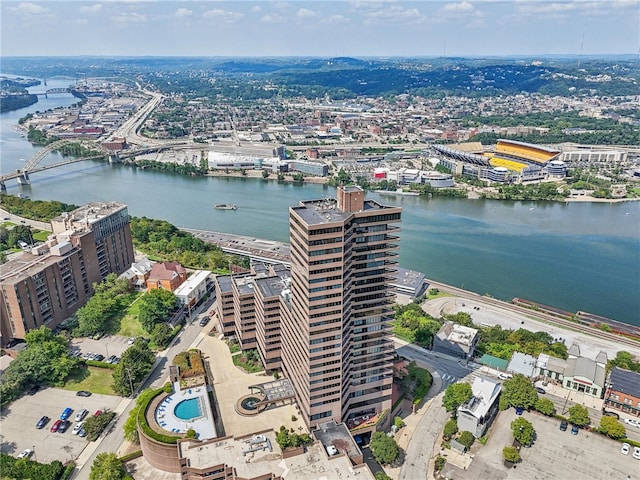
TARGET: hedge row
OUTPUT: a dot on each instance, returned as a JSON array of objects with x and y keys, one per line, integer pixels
[
  {"x": 144, "y": 425},
  {"x": 130, "y": 456},
  {"x": 94, "y": 363}
]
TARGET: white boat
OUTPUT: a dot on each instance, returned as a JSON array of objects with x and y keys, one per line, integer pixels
[
  {"x": 226, "y": 206},
  {"x": 399, "y": 191}
]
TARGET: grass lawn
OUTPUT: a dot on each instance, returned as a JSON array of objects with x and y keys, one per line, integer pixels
[
  {"x": 8, "y": 224},
  {"x": 93, "y": 379},
  {"x": 129, "y": 323},
  {"x": 41, "y": 235}
]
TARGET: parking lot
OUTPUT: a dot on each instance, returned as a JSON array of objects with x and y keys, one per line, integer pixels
[
  {"x": 20, "y": 418},
  {"x": 554, "y": 454},
  {"x": 106, "y": 346}
]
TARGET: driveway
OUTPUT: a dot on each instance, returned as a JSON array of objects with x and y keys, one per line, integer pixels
[
  {"x": 107, "y": 345},
  {"x": 20, "y": 418},
  {"x": 554, "y": 454}
]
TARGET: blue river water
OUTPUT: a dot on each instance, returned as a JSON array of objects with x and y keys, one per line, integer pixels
[{"x": 576, "y": 256}]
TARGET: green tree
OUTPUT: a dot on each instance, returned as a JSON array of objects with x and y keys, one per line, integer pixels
[
  {"x": 107, "y": 466},
  {"x": 161, "y": 335},
  {"x": 579, "y": 415},
  {"x": 544, "y": 406},
  {"x": 450, "y": 429},
  {"x": 522, "y": 430},
  {"x": 518, "y": 392},
  {"x": 398, "y": 422},
  {"x": 380, "y": 475},
  {"x": 384, "y": 449},
  {"x": 155, "y": 307},
  {"x": 19, "y": 233},
  {"x": 612, "y": 427},
  {"x": 455, "y": 395},
  {"x": 511, "y": 454},
  {"x": 466, "y": 439},
  {"x": 134, "y": 366}
]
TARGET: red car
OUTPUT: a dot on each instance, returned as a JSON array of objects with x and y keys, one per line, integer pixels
[
  {"x": 56, "y": 425},
  {"x": 98, "y": 412}
]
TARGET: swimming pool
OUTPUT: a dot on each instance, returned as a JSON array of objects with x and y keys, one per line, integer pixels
[{"x": 188, "y": 409}]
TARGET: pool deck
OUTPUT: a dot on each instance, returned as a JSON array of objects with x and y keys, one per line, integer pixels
[{"x": 167, "y": 419}]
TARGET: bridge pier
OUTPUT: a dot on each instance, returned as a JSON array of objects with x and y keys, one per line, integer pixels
[
  {"x": 24, "y": 179},
  {"x": 3, "y": 187},
  {"x": 114, "y": 158}
]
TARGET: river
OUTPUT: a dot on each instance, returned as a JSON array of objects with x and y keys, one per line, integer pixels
[{"x": 576, "y": 256}]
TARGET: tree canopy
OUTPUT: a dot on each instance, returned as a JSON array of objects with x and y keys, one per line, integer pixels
[
  {"x": 103, "y": 307},
  {"x": 107, "y": 466},
  {"x": 44, "y": 361},
  {"x": 134, "y": 366},
  {"x": 523, "y": 431},
  {"x": 155, "y": 307},
  {"x": 518, "y": 392},
  {"x": 612, "y": 427},
  {"x": 384, "y": 448},
  {"x": 455, "y": 395},
  {"x": 544, "y": 406},
  {"x": 579, "y": 415}
]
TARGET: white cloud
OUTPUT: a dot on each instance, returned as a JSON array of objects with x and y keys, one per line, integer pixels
[
  {"x": 128, "y": 18},
  {"x": 91, "y": 8},
  {"x": 272, "y": 19},
  {"x": 183, "y": 12},
  {"x": 305, "y": 13},
  {"x": 256, "y": 9},
  {"x": 394, "y": 14},
  {"x": 81, "y": 21},
  {"x": 226, "y": 16},
  {"x": 458, "y": 7},
  {"x": 27, "y": 8},
  {"x": 338, "y": 19}
]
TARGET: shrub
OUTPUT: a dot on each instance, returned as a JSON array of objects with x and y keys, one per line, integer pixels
[
  {"x": 466, "y": 439},
  {"x": 440, "y": 461},
  {"x": 544, "y": 406},
  {"x": 398, "y": 422},
  {"x": 511, "y": 454},
  {"x": 450, "y": 429},
  {"x": 191, "y": 433}
]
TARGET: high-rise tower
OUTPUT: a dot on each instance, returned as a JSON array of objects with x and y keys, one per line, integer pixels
[{"x": 336, "y": 346}]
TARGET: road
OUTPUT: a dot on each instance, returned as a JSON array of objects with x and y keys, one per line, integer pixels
[{"x": 112, "y": 441}]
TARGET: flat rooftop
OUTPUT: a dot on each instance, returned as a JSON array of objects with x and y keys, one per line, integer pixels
[
  {"x": 337, "y": 435},
  {"x": 91, "y": 212},
  {"x": 27, "y": 265},
  {"x": 323, "y": 211},
  {"x": 270, "y": 286}
]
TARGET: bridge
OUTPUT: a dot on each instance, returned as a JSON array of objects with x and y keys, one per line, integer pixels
[
  {"x": 52, "y": 91},
  {"x": 33, "y": 165}
]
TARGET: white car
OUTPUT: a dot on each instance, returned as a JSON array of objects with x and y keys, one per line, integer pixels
[
  {"x": 28, "y": 452},
  {"x": 625, "y": 449},
  {"x": 77, "y": 428},
  {"x": 636, "y": 453},
  {"x": 632, "y": 422}
]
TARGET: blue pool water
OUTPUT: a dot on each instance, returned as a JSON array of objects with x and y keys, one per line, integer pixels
[{"x": 188, "y": 409}]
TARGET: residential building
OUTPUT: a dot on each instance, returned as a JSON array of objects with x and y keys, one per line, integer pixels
[
  {"x": 336, "y": 342},
  {"x": 55, "y": 279},
  {"x": 166, "y": 275},
  {"x": 522, "y": 363},
  {"x": 409, "y": 282},
  {"x": 194, "y": 288},
  {"x": 138, "y": 273},
  {"x": 478, "y": 412},
  {"x": 456, "y": 340},
  {"x": 623, "y": 391}
]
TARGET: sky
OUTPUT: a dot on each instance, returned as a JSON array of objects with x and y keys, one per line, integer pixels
[{"x": 358, "y": 28}]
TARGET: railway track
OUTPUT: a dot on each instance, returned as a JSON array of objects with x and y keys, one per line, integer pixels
[{"x": 543, "y": 317}]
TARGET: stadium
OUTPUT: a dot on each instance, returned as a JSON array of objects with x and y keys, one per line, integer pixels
[{"x": 509, "y": 162}]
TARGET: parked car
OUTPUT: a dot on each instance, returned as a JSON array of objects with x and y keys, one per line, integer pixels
[
  {"x": 42, "y": 422},
  {"x": 632, "y": 422},
  {"x": 78, "y": 426},
  {"x": 66, "y": 413},
  {"x": 33, "y": 390},
  {"x": 541, "y": 390},
  {"x": 64, "y": 426},
  {"x": 55, "y": 426},
  {"x": 83, "y": 393},
  {"x": 98, "y": 412},
  {"x": 98, "y": 358},
  {"x": 574, "y": 429},
  {"x": 111, "y": 359},
  {"x": 563, "y": 425},
  {"x": 636, "y": 453},
  {"x": 625, "y": 449},
  {"x": 131, "y": 340},
  {"x": 82, "y": 432},
  {"x": 204, "y": 321},
  {"x": 116, "y": 360},
  {"x": 81, "y": 414},
  {"x": 25, "y": 453},
  {"x": 519, "y": 410},
  {"x": 610, "y": 414}
]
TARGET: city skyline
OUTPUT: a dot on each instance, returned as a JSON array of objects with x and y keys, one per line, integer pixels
[{"x": 326, "y": 29}]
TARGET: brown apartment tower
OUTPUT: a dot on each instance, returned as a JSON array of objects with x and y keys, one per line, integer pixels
[
  {"x": 51, "y": 281},
  {"x": 336, "y": 346}
]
